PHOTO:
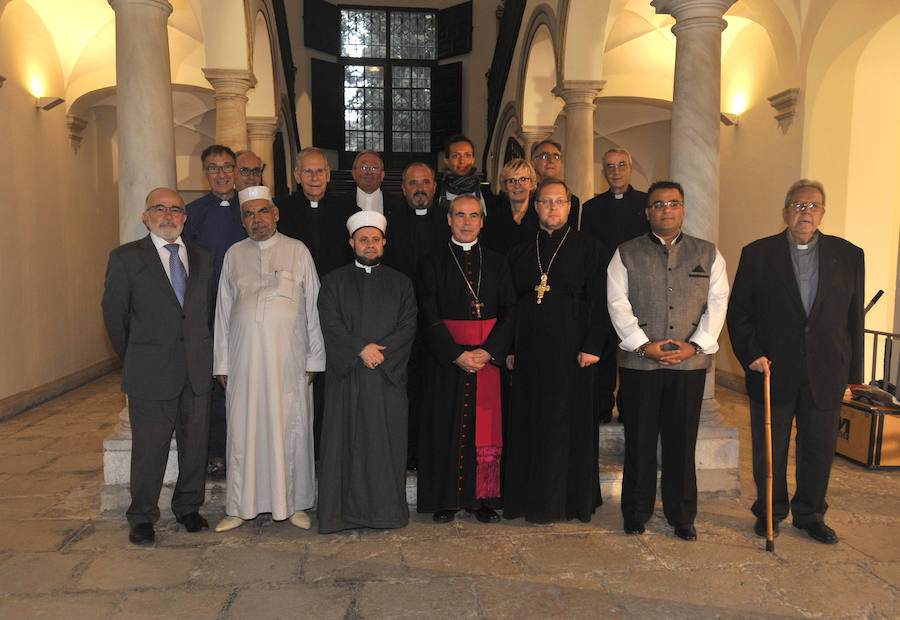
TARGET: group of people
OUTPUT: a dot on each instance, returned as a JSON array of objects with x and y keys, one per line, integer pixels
[{"x": 476, "y": 338}]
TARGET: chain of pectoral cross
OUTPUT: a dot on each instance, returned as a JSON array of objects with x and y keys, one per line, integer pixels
[
  {"x": 542, "y": 286},
  {"x": 476, "y": 303}
]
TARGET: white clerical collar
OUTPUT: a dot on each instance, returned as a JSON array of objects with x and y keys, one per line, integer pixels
[
  {"x": 314, "y": 204},
  {"x": 159, "y": 242},
  {"x": 268, "y": 243},
  {"x": 368, "y": 268},
  {"x": 370, "y": 202},
  {"x": 421, "y": 211},
  {"x": 618, "y": 196},
  {"x": 804, "y": 246},
  {"x": 465, "y": 246}
]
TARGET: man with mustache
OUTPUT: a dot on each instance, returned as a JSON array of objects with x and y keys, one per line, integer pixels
[
  {"x": 158, "y": 308},
  {"x": 268, "y": 349},
  {"x": 796, "y": 312}
]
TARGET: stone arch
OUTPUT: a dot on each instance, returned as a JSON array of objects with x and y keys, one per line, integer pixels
[
  {"x": 261, "y": 99},
  {"x": 851, "y": 138},
  {"x": 584, "y": 28},
  {"x": 508, "y": 125},
  {"x": 539, "y": 69}
]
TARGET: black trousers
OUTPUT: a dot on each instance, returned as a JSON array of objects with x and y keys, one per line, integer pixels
[
  {"x": 152, "y": 425},
  {"x": 662, "y": 404},
  {"x": 218, "y": 426},
  {"x": 816, "y": 441}
]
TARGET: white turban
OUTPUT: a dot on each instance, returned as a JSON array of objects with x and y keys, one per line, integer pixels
[
  {"x": 362, "y": 219},
  {"x": 257, "y": 192}
]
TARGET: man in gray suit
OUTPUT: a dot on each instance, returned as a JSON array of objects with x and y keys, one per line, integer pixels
[{"x": 158, "y": 308}]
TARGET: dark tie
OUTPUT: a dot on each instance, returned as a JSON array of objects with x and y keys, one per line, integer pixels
[{"x": 177, "y": 272}]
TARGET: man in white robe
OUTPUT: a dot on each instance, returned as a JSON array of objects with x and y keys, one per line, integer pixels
[{"x": 268, "y": 347}]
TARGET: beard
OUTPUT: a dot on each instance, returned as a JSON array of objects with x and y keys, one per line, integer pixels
[{"x": 368, "y": 262}]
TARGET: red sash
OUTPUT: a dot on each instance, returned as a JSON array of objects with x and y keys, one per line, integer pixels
[{"x": 488, "y": 428}]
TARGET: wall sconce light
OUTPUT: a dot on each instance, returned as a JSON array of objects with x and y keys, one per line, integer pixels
[
  {"x": 738, "y": 105},
  {"x": 46, "y": 103},
  {"x": 728, "y": 119}
]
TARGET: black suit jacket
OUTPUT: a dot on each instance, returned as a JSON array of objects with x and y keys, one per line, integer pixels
[
  {"x": 613, "y": 222},
  {"x": 766, "y": 318},
  {"x": 323, "y": 230},
  {"x": 410, "y": 237},
  {"x": 160, "y": 343}
]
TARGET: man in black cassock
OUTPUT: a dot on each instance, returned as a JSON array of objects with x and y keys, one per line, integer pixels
[
  {"x": 318, "y": 218},
  {"x": 550, "y": 466},
  {"x": 417, "y": 228},
  {"x": 612, "y": 218},
  {"x": 368, "y": 316},
  {"x": 465, "y": 302}
]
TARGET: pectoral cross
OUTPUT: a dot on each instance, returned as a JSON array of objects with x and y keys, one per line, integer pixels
[
  {"x": 478, "y": 306},
  {"x": 542, "y": 288}
]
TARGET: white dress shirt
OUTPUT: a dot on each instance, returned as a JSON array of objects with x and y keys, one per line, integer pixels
[
  {"x": 370, "y": 202},
  {"x": 164, "y": 254}
]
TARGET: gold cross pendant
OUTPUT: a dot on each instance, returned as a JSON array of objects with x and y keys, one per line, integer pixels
[
  {"x": 478, "y": 305},
  {"x": 542, "y": 288}
]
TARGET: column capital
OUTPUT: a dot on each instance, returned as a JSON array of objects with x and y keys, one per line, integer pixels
[
  {"x": 75, "y": 125},
  {"x": 691, "y": 9},
  {"x": 230, "y": 82},
  {"x": 162, "y": 5},
  {"x": 536, "y": 133},
  {"x": 261, "y": 127},
  {"x": 578, "y": 92}
]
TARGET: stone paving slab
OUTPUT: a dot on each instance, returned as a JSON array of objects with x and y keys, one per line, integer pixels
[{"x": 59, "y": 558}]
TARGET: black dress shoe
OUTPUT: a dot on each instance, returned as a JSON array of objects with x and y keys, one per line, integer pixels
[
  {"x": 444, "y": 516},
  {"x": 142, "y": 534},
  {"x": 759, "y": 528},
  {"x": 818, "y": 531},
  {"x": 686, "y": 532},
  {"x": 634, "y": 527},
  {"x": 193, "y": 522},
  {"x": 487, "y": 515}
]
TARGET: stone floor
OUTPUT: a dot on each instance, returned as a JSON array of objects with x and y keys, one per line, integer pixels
[{"x": 58, "y": 558}]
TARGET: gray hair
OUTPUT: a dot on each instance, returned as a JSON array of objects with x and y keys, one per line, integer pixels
[
  {"x": 800, "y": 185},
  {"x": 466, "y": 197},
  {"x": 310, "y": 150}
]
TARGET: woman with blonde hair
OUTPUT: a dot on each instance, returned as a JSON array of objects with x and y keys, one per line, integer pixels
[{"x": 513, "y": 219}]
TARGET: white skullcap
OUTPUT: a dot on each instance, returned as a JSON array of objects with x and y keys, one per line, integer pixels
[
  {"x": 366, "y": 218},
  {"x": 257, "y": 192}
]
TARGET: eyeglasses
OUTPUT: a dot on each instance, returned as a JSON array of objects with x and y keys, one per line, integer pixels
[
  {"x": 517, "y": 181},
  {"x": 213, "y": 169},
  {"x": 547, "y": 202},
  {"x": 812, "y": 207},
  {"x": 160, "y": 209},
  {"x": 546, "y": 155},
  {"x": 611, "y": 167},
  {"x": 246, "y": 172},
  {"x": 367, "y": 168},
  {"x": 659, "y": 205}
]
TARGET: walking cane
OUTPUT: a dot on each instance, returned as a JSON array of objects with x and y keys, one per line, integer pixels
[{"x": 770, "y": 536}]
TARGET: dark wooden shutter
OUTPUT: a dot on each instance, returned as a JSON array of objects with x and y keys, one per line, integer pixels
[
  {"x": 454, "y": 30},
  {"x": 322, "y": 26},
  {"x": 514, "y": 150},
  {"x": 327, "y": 86},
  {"x": 446, "y": 103}
]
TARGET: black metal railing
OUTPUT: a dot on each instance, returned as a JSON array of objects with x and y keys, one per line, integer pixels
[{"x": 883, "y": 345}]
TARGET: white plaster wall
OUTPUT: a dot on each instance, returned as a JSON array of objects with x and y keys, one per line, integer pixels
[{"x": 60, "y": 212}]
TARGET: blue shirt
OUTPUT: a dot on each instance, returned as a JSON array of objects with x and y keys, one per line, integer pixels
[{"x": 215, "y": 226}]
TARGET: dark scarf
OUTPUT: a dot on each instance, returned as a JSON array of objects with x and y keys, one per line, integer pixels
[{"x": 459, "y": 185}]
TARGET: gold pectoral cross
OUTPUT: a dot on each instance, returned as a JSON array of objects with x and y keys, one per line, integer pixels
[
  {"x": 477, "y": 305},
  {"x": 542, "y": 288}
]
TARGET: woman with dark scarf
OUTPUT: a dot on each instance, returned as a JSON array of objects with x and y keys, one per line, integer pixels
[
  {"x": 513, "y": 218},
  {"x": 461, "y": 177}
]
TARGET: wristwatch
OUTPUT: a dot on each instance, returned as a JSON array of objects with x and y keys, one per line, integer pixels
[
  {"x": 642, "y": 349},
  {"x": 697, "y": 348}
]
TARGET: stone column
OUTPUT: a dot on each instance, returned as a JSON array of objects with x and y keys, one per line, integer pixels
[
  {"x": 143, "y": 109},
  {"x": 261, "y": 132},
  {"x": 696, "y": 108},
  {"x": 579, "y": 96},
  {"x": 231, "y": 86},
  {"x": 532, "y": 134}
]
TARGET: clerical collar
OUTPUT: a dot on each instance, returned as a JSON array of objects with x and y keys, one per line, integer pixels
[
  {"x": 267, "y": 243},
  {"x": 803, "y": 246},
  {"x": 660, "y": 241},
  {"x": 465, "y": 246},
  {"x": 618, "y": 196},
  {"x": 421, "y": 211},
  {"x": 368, "y": 268},
  {"x": 314, "y": 204}
]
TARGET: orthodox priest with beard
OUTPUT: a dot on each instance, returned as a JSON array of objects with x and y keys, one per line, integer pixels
[
  {"x": 465, "y": 299},
  {"x": 368, "y": 316},
  {"x": 550, "y": 470}
]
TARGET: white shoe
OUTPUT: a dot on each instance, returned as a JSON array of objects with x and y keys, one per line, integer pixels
[
  {"x": 301, "y": 520},
  {"x": 229, "y": 523}
]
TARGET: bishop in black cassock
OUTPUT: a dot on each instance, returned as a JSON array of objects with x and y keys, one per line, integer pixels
[
  {"x": 551, "y": 471},
  {"x": 465, "y": 302}
]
